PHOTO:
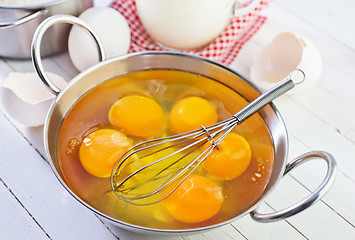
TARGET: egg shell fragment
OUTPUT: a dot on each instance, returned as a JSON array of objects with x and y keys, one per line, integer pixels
[
  {"x": 26, "y": 99},
  {"x": 286, "y": 52}
]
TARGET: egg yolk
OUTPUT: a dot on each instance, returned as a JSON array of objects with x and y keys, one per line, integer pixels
[
  {"x": 137, "y": 115},
  {"x": 190, "y": 113},
  {"x": 195, "y": 200},
  {"x": 231, "y": 158},
  {"x": 101, "y": 149}
]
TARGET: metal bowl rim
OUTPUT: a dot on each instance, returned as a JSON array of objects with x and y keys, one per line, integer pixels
[
  {"x": 139, "y": 228},
  {"x": 30, "y": 7}
]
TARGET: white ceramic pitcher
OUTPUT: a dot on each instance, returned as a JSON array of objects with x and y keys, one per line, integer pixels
[{"x": 188, "y": 24}]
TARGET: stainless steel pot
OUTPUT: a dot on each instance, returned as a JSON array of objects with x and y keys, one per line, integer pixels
[
  {"x": 118, "y": 66},
  {"x": 19, "y": 22}
]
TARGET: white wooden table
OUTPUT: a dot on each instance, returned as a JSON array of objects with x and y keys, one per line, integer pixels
[{"x": 34, "y": 205}]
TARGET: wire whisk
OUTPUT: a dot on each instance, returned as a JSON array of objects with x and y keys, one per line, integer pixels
[{"x": 150, "y": 171}]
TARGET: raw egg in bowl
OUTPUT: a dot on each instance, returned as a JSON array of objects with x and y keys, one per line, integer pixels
[{"x": 138, "y": 97}]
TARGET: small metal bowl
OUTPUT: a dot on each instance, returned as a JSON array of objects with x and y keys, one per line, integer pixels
[
  {"x": 119, "y": 66},
  {"x": 19, "y": 22}
]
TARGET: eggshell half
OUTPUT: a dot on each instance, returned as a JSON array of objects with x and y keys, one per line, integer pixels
[
  {"x": 286, "y": 52},
  {"x": 26, "y": 99}
]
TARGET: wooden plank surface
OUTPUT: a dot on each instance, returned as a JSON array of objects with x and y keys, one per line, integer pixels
[
  {"x": 33, "y": 183},
  {"x": 16, "y": 222},
  {"x": 35, "y": 206}
]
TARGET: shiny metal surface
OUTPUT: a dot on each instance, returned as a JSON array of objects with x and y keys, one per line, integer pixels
[
  {"x": 118, "y": 66},
  {"x": 160, "y": 156},
  {"x": 18, "y": 24},
  {"x": 106, "y": 70},
  {"x": 313, "y": 197},
  {"x": 37, "y": 40}
]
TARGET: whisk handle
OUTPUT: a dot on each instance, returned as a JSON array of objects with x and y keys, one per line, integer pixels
[{"x": 269, "y": 96}]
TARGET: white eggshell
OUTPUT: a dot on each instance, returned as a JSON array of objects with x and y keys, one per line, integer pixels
[
  {"x": 26, "y": 99},
  {"x": 287, "y": 51},
  {"x": 112, "y": 29}
]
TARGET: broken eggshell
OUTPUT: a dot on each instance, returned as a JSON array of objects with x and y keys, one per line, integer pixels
[
  {"x": 286, "y": 52},
  {"x": 26, "y": 99}
]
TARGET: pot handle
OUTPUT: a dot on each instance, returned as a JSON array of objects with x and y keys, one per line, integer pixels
[
  {"x": 36, "y": 45},
  {"x": 312, "y": 198},
  {"x": 22, "y": 20}
]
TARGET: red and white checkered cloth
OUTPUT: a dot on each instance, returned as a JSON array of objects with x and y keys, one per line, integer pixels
[{"x": 223, "y": 49}]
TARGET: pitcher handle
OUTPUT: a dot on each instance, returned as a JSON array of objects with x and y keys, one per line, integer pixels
[
  {"x": 240, "y": 11},
  {"x": 312, "y": 198},
  {"x": 36, "y": 45}
]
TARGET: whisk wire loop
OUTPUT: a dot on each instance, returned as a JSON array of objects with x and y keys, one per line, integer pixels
[{"x": 150, "y": 171}]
